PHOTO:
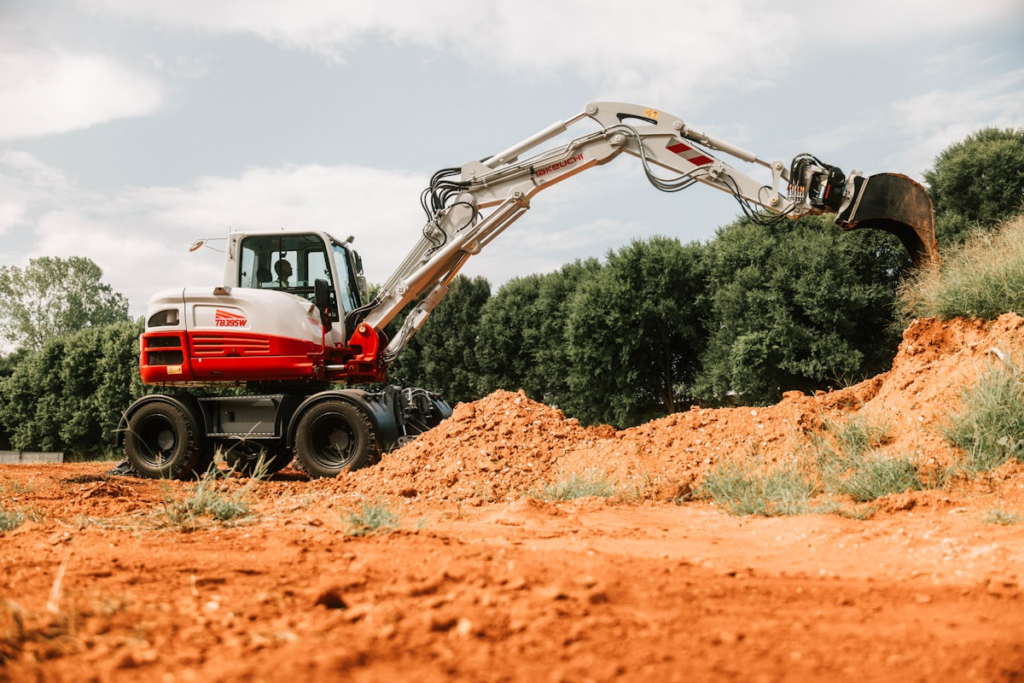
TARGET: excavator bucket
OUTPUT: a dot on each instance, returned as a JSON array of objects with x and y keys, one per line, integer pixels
[{"x": 898, "y": 205}]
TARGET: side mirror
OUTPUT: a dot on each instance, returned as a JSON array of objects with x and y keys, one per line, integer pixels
[{"x": 322, "y": 300}]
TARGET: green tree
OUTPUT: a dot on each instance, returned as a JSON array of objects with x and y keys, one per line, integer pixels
[
  {"x": 441, "y": 356},
  {"x": 800, "y": 305},
  {"x": 977, "y": 182},
  {"x": 522, "y": 341},
  {"x": 52, "y": 297},
  {"x": 635, "y": 333},
  {"x": 508, "y": 337},
  {"x": 552, "y": 357},
  {"x": 70, "y": 394},
  {"x": 8, "y": 364}
]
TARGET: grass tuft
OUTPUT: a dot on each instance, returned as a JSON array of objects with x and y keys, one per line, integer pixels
[
  {"x": 989, "y": 427},
  {"x": 742, "y": 489},
  {"x": 212, "y": 498},
  {"x": 590, "y": 484},
  {"x": 874, "y": 477},
  {"x": 10, "y": 520},
  {"x": 997, "y": 516},
  {"x": 370, "y": 519},
  {"x": 843, "y": 461},
  {"x": 860, "y": 434}
]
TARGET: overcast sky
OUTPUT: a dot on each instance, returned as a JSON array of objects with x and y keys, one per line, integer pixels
[{"x": 130, "y": 128}]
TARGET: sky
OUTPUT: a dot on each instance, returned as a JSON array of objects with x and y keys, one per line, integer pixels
[{"x": 131, "y": 128}]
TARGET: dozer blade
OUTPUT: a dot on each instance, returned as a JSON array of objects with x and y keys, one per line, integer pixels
[{"x": 898, "y": 205}]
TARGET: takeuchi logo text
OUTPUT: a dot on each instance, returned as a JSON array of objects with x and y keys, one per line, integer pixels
[
  {"x": 229, "y": 319},
  {"x": 560, "y": 164}
]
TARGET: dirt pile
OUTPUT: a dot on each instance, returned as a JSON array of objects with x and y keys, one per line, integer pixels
[
  {"x": 505, "y": 444},
  {"x": 502, "y": 444}
]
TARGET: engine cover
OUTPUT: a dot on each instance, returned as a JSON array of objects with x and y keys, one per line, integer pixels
[{"x": 228, "y": 335}]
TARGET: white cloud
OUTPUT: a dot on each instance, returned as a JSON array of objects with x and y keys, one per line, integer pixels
[
  {"x": 667, "y": 52},
  {"x": 934, "y": 120},
  {"x": 139, "y": 236},
  {"x": 48, "y": 91},
  {"x": 824, "y": 26}
]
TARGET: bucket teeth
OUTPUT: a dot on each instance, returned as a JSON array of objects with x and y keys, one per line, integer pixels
[{"x": 898, "y": 205}]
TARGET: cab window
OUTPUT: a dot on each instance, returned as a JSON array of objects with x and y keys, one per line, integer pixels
[{"x": 289, "y": 263}]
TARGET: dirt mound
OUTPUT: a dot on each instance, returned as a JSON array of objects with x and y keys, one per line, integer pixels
[
  {"x": 506, "y": 444},
  {"x": 99, "y": 583}
]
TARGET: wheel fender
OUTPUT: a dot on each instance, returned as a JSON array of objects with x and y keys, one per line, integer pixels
[
  {"x": 385, "y": 428},
  {"x": 188, "y": 407}
]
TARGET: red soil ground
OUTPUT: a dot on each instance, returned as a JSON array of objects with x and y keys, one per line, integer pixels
[{"x": 485, "y": 580}]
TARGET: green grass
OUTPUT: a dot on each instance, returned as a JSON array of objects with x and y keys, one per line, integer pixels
[
  {"x": 859, "y": 434},
  {"x": 743, "y": 489},
  {"x": 982, "y": 279},
  {"x": 840, "y": 464},
  {"x": 851, "y": 465},
  {"x": 370, "y": 519},
  {"x": 213, "y": 498},
  {"x": 997, "y": 516},
  {"x": 575, "y": 485},
  {"x": 877, "y": 476},
  {"x": 14, "y": 487},
  {"x": 10, "y": 520},
  {"x": 989, "y": 426}
]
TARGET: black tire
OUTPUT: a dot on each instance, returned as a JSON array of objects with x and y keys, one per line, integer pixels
[
  {"x": 162, "y": 442},
  {"x": 334, "y": 435},
  {"x": 243, "y": 456}
]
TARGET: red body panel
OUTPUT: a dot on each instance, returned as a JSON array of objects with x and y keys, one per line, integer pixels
[{"x": 225, "y": 356}]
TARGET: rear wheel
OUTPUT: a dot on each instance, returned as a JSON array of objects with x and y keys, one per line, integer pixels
[
  {"x": 332, "y": 436},
  {"x": 162, "y": 443},
  {"x": 244, "y": 457}
]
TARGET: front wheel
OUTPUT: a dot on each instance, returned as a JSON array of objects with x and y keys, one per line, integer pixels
[
  {"x": 334, "y": 435},
  {"x": 162, "y": 443}
]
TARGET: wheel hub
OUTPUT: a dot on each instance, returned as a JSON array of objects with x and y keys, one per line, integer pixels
[{"x": 165, "y": 440}]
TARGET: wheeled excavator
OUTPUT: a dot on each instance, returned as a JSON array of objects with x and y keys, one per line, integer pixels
[{"x": 293, "y": 319}]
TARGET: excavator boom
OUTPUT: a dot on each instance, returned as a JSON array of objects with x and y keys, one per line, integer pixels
[{"x": 465, "y": 215}]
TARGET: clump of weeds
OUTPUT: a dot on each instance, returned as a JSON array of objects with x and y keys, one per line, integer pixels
[
  {"x": 835, "y": 472},
  {"x": 370, "y": 519},
  {"x": 1004, "y": 517},
  {"x": 214, "y": 499},
  {"x": 592, "y": 483},
  {"x": 989, "y": 425}
]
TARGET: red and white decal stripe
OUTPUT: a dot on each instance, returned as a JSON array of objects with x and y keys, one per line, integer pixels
[{"x": 695, "y": 157}]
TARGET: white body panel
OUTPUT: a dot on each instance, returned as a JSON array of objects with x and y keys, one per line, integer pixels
[{"x": 256, "y": 311}]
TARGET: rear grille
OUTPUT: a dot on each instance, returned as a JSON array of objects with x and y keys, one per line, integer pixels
[{"x": 205, "y": 345}]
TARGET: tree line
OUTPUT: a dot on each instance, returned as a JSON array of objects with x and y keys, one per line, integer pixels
[
  {"x": 654, "y": 327},
  {"x": 659, "y": 325}
]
